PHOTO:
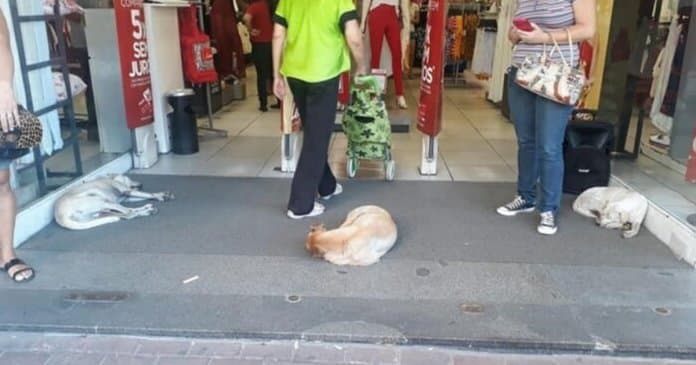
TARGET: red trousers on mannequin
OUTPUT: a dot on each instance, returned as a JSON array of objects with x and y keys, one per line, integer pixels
[{"x": 383, "y": 21}]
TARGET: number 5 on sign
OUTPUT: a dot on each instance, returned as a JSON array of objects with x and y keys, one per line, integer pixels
[{"x": 138, "y": 31}]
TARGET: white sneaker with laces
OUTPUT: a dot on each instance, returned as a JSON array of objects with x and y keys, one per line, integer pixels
[
  {"x": 317, "y": 210},
  {"x": 338, "y": 191},
  {"x": 547, "y": 224}
]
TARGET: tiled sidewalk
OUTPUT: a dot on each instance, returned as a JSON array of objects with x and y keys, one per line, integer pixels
[{"x": 58, "y": 349}]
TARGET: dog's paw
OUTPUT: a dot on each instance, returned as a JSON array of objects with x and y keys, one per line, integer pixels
[
  {"x": 154, "y": 211},
  {"x": 629, "y": 234},
  {"x": 164, "y": 196}
]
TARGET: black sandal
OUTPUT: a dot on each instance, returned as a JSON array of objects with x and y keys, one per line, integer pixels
[{"x": 14, "y": 262}]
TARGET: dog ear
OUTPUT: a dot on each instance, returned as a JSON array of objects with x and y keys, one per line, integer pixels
[{"x": 595, "y": 212}]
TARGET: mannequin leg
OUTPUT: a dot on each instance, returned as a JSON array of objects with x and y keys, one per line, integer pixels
[
  {"x": 377, "y": 28},
  {"x": 393, "y": 33}
]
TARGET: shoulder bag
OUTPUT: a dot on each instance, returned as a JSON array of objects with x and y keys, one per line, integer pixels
[{"x": 554, "y": 80}]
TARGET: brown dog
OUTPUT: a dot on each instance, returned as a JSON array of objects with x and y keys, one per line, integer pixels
[{"x": 366, "y": 235}]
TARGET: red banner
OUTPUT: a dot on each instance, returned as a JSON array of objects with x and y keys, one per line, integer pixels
[
  {"x": 432, "y": 75},
  {"x": 691, "y": 164},
  {"x": 135, "y": 65}
]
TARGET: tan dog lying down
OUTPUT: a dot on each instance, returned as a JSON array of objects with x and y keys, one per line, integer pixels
[{"x": 366, "y": 235}]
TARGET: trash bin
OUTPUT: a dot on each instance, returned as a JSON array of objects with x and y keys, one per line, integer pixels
[{"x": 184, "y": 127}]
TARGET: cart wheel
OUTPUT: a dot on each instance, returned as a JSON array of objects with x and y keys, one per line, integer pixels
[
  {"x": 389, "y": 170},
  {"x": 352, "y": 167}
]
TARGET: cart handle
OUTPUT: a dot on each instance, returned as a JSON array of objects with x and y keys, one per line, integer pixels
[{"x": 366, "y": 82}]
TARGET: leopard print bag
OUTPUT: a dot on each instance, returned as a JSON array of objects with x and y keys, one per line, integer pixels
[{"x": 26, "y": 136}]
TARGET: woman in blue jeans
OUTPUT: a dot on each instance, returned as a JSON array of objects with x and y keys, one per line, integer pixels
[{"x": 539, "y": 122}]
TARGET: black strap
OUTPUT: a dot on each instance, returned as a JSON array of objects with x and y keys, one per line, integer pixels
[{"x": 14, "y": 262}]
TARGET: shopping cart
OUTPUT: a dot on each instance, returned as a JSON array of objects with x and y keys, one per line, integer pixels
[{"x": 367, "y": 128}]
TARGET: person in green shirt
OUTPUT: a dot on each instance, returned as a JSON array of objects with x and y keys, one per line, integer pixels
[{"x": 311, "y": 42}]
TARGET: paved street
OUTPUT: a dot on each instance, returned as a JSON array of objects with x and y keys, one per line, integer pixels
[{"x": 59, "y": 349}]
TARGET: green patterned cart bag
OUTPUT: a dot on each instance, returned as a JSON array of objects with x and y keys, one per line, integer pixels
[{"x": 366, "y": 122}]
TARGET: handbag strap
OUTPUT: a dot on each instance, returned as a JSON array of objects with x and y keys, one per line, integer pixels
[
  {"x": 570, "y": 44},
  {"x": 560, "y": 52}
]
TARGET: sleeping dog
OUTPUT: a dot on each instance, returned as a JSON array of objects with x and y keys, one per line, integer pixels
[
  {"x": 98, "y": 202},
  {"x": 613, "y": 208},
  {"x": 366, "y": 235}
]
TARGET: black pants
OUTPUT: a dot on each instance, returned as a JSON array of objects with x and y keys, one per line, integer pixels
[
  {"x": 262, "y": 55},
  {"x": 316, "y": 103}
]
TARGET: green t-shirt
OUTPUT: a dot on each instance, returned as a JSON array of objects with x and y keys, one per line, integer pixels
[{"x": 315, "y": 47}]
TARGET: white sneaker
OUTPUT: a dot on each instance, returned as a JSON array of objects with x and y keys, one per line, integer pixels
[
  {"x": 338, "y": 191},
  {"x": 547, "y": 224},
  {"x": 317, "y": 210}
]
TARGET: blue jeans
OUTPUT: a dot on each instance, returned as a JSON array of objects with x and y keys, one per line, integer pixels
[
  {"x": 540, "y": 126},
  {"x": 4, "y": 164}
]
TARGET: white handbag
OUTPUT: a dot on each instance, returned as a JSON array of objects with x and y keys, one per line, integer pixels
[{"x": 554, "y": 80}]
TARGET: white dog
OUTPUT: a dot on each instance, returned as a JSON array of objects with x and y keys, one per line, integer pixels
[
  {"x": 613, "y": 208},
  {"x": 366, "y": 235},
  {"x": 98, "y": 202}
]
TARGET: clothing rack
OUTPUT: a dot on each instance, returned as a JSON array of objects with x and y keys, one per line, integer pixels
[
  {"x": 58, "y": 61},
  {"x": 457, "y": 80}
]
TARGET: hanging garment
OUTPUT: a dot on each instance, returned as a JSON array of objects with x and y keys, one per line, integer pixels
[
  {"x": 37, "y": 49},
  {"x": 229, "y": 59},
  {"x": 661, "y": 73},
  {"x": 669, "y": 104},
  {"x": 482, "y": 62},
  {"x": 502, "y": 57},
  {"x": 471, "y": 22},
  {"x": 420, "y": 37},
  {"x": 456, "y": 33}
]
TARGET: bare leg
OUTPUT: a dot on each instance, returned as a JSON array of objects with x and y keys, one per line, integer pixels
[{"x": 8, "y": 208}]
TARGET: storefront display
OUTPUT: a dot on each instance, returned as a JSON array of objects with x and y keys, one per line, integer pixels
[{"x": 387, "y": 25}]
